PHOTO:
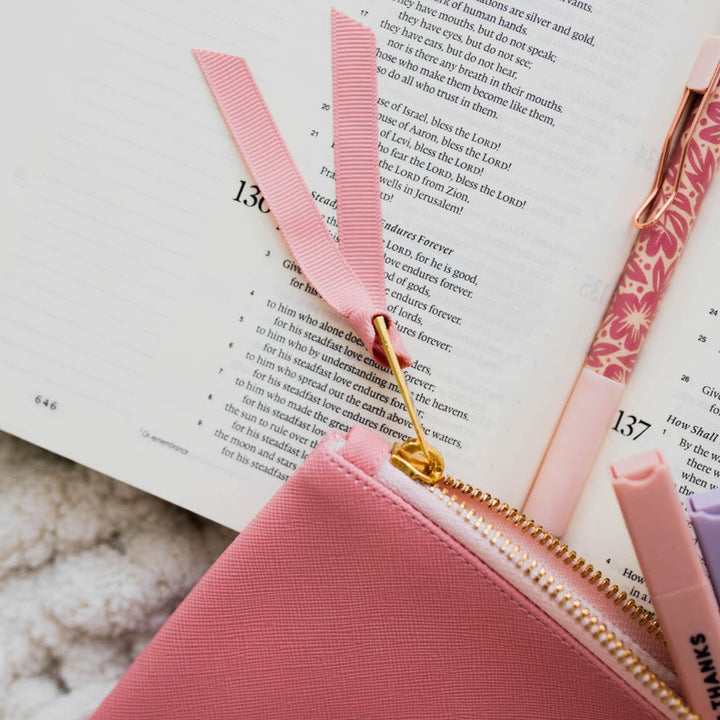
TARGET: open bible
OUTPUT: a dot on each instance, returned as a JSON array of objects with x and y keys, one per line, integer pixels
[{"x": 154, "y": 326}]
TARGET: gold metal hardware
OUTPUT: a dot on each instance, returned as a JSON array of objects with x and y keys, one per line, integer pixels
[
  {"x": 553, "y": 544},
  {"x": 415, "y": 457},
  {"x": 410, "y": 457}
]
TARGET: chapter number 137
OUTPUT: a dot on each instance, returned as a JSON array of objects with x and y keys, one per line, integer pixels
[{"x": 630, "y": 425}]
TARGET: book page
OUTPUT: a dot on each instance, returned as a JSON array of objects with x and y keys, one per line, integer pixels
[{"x": 153, "y": 324}]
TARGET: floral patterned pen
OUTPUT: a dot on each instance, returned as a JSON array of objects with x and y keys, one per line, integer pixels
[{"x": 664, "y": 219}]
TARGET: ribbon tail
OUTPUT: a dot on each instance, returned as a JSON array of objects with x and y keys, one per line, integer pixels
[{"x": 355, "y": 147}]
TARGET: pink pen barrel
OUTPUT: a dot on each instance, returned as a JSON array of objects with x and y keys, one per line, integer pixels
[
  {"x": 674, "y": 204},
  {"x": 572, "y": 451},
  {"x": 679, "y": 588}
]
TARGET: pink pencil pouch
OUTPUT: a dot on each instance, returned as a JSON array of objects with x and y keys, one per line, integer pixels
[{"x": 360, "y": 593}]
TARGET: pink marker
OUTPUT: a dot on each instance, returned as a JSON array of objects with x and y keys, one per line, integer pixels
[
  {"x": 679, "y": 188},
  {"x": 679, "y": 588}
]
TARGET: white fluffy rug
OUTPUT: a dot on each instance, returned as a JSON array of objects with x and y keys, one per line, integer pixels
[{"x": 89, "y": 570}]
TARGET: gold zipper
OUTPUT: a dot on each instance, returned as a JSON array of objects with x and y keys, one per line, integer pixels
[
  {"x": 423, "y": 463},
  {"x": 406, "y": 457},
  {"x": 585, "y": 570}
]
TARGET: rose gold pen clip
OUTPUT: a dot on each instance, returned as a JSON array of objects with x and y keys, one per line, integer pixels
[{"x": 702, "y": 81}]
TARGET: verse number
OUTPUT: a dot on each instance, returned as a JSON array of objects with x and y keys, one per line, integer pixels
[
  {"x": 46, "y": 402},
  {"x": 249, "y": 195},
  {"x": 630, "y": 425}
]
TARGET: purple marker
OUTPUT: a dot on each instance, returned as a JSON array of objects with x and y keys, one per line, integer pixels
[{"x": 704, "y": 512}]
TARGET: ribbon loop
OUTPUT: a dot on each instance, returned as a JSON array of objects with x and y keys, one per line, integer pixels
[{"x": 349, "y": 275}]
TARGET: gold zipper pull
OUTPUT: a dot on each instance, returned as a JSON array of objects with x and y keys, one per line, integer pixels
[
  {"x": 410, "y": 457},
  {"x": 415, "y": 457}
]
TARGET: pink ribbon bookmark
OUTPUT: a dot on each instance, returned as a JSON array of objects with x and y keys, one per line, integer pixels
[{"x": 349, "y": 275}]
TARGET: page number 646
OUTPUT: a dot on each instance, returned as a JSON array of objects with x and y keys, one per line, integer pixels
[{"x": 43, "y": 401}]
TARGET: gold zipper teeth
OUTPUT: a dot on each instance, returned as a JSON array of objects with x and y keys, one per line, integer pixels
[
  {"x": 564, "y": 598},
  {"x": 643, "y": 616}
]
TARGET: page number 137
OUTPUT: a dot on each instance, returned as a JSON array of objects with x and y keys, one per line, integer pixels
[{"x": 630, "y": 425}]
